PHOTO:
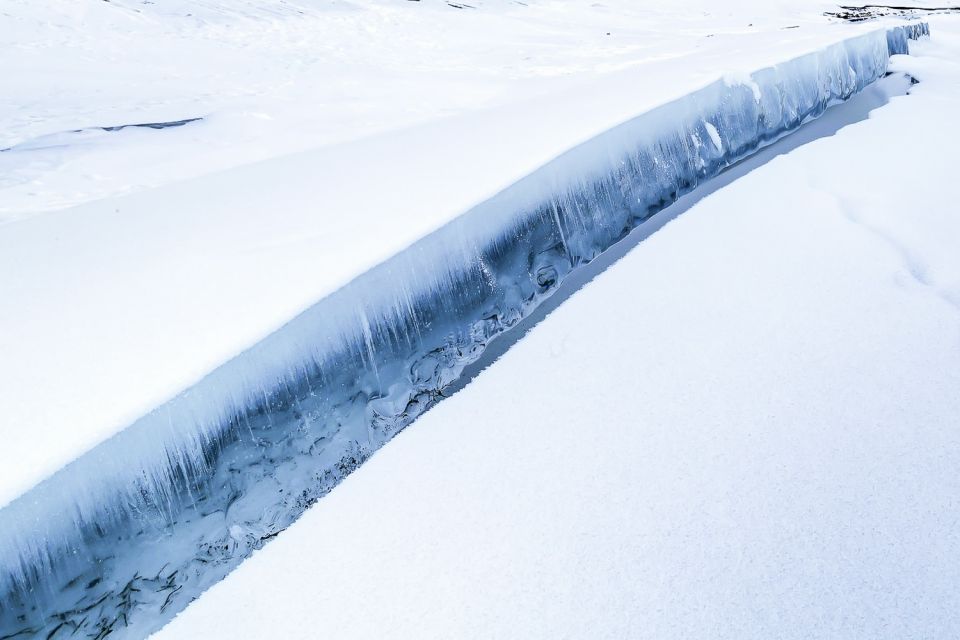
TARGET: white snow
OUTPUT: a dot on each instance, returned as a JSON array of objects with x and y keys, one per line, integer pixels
[
  {"x": 413, "y": 113},
  {"x": 273, "y": 77},
  {"x": 748, "y": 427}
]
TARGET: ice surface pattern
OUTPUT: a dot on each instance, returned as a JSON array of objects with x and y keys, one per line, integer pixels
[{"x": 119, "y": 540}]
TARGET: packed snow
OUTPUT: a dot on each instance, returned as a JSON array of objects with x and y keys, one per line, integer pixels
[{"x": 747, "y": 427}]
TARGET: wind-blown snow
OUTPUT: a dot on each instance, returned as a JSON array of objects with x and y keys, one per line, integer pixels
[
  {"x": 272, "y": 77},
  {"x": 746, "y": 428}
]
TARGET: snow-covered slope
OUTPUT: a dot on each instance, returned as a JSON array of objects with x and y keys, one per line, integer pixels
[{"x": 746, "y": 428}]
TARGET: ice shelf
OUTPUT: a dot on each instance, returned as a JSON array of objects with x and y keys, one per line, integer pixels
[{"x": 125, "y": 536}]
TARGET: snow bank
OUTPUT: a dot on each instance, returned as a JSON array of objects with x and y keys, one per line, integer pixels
[
  {"x": 170, "y": 504},
  {"x": 272, "y": 78}
]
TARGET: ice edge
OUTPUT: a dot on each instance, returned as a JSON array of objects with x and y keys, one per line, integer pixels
[{"x": 181, "y": 496}]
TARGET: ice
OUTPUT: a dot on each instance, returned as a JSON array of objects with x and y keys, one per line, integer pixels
[{"x": 168, "y": 505}]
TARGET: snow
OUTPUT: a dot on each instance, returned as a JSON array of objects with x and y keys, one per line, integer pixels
[
  {"x": 745, "y": 427},
  {"x": 114, "y": 306},
  {"x": 271, "y": 77},
  {"x": 150, "y": 267},
  {"x": 274, "y": 429}
]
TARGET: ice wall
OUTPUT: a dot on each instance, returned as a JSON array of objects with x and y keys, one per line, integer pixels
[
  {"x": 898, "y": 38},
  {"x": 128, "y": 534}
]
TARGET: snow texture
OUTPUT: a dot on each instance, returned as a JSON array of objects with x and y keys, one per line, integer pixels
[
  {"x": 175, "y": 500},
  {"x": 274, "y": 77}
]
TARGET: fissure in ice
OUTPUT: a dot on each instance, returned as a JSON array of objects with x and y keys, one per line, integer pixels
[{"x": 120, "y": 540}]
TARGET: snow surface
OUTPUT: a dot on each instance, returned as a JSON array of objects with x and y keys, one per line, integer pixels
[
  {"x": 271, "y": 77},
  {"x": 315, "y": 398},
  {"x": 114, "y": 306},
  {"x": 745, "y": 428}
]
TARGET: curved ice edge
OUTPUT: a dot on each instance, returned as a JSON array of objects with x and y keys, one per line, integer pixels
[{"x": 130, "y": 532}]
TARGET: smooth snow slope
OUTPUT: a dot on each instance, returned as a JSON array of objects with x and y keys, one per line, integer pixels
[
  {"x": 746, "y": 428},
  {"x": 271, "y": 77},
  {"x": 113, "y": 307}
]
